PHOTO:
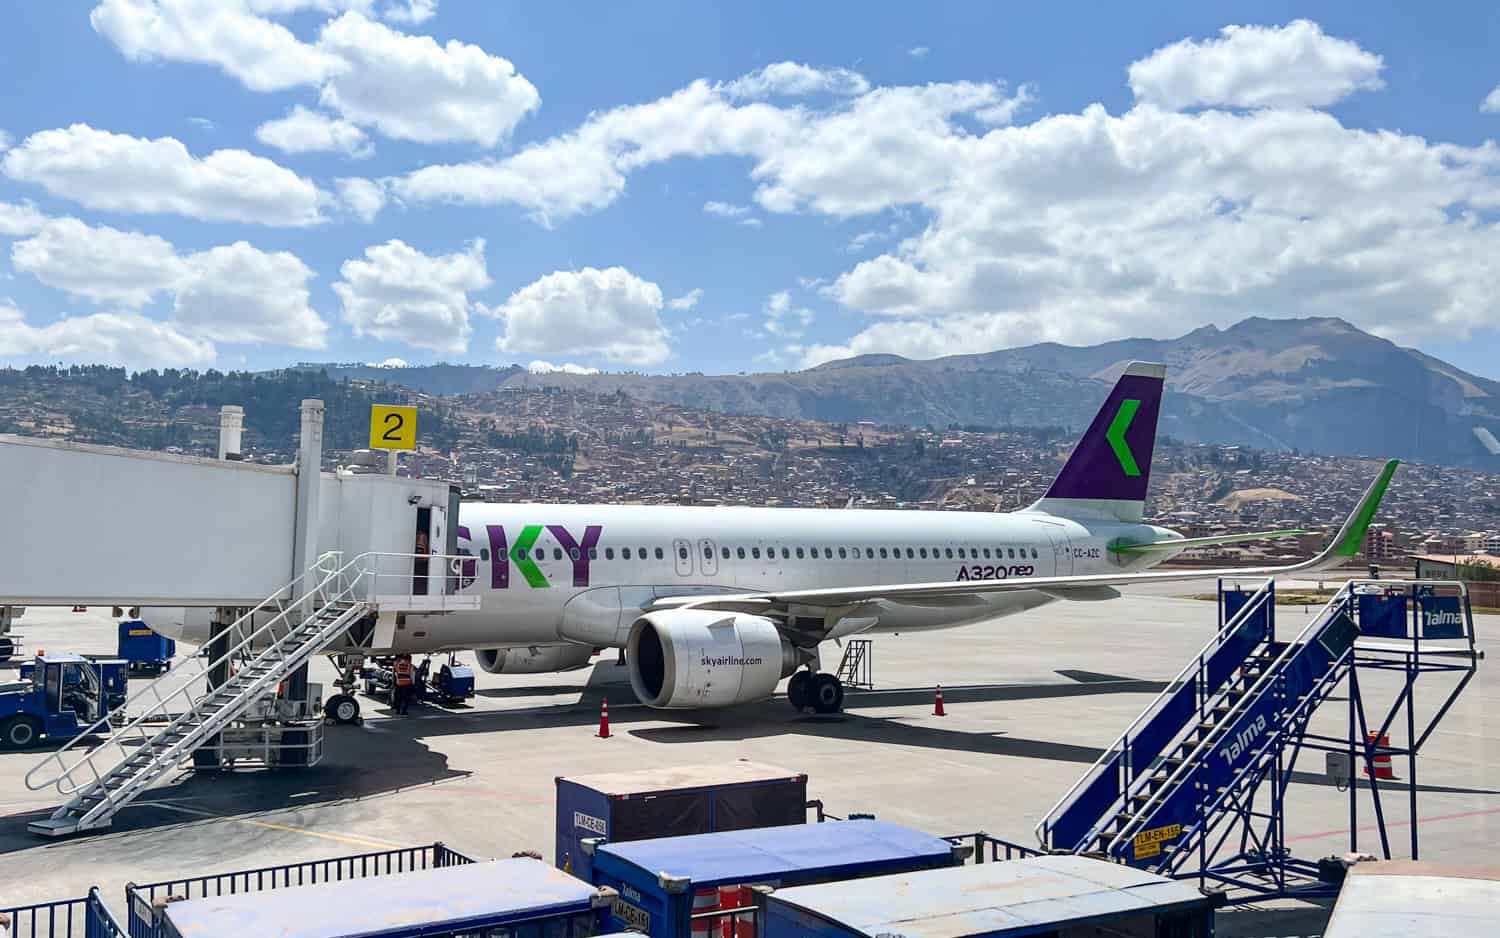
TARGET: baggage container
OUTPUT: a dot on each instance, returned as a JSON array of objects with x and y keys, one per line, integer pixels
[
  {"x": 624, "y": 806},
  {"x": 675, "y": 887}
]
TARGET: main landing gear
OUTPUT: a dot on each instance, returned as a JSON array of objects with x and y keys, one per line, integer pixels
[{"x": 824, "y": 693}]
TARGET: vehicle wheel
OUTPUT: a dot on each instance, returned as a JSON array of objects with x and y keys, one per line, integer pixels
[
  {"x": 827, "y": 694},
  {"x": 7, "y": 648},
  {"x": 342, "y": 708},
  {"x": 799, "y": 690},
  {"x": 20, "y": 732}
]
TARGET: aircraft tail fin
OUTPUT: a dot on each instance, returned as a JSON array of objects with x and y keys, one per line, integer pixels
[{"x": 1107, "y": 473}]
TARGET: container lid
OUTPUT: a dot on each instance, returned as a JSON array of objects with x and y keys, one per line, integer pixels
[
  {"x": 773, "y": 853},
  {"x": 1401, "y": 898},
  {"x": 987, "y": 897},
  {"x": 379, "y": 905},
  {"x": 646, "y": 781}
]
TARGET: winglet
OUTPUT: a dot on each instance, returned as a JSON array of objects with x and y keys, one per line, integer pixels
[{"x": 1351, "y": 536}]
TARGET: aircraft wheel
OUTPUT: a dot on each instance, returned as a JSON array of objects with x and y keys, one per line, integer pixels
[
  {"x": 827, "y": 694},
  {"x": 342, "y": 708},
  {"x": 20, "y": 732},
  {"x": 799, "y": 690}
]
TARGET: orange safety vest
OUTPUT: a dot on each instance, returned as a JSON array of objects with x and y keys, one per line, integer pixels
[{"x": 403, "y": 672}]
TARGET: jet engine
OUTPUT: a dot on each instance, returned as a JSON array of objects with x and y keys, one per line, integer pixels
[
  {"x": 681, "y": 658},
  {"x": 534, "y": 659}
]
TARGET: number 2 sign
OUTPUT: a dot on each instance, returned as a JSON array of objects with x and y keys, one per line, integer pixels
[{"x": 393, "y": 427}]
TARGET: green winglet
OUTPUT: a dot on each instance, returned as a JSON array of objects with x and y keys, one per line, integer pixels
[{"x": 1352, "y": 538}]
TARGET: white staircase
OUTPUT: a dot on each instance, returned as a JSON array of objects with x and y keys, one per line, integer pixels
[{"x": 104, "y": 778}]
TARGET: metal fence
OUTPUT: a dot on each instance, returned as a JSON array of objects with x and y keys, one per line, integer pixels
[
  {"x": 144, "y": 899},
  {"x": 87, "y": 917}
]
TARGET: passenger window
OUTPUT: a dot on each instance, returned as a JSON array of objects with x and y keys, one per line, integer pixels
[
  {"x": 624, "y": 553},
  {"x": 882, "y": 553},
  {"x": 799, "y": 553},
  {"x": 541, "y": 553},
  {"x": 961, "y": 554},
  {"x": 786, "y": 554},
  {"x": 593, "y": 553},
  {"x": 659, "y": 554},
  {"x": 484, "y": 553},
  {"x": 724, "y": 552},
  {"x": 574, "y": 553},
  {"x": 910, "y": 553},
  {"x": 682, "y": 553},
  {"x": 1033, "y": 553},
  {"x": 948, "y": 552},
  {"x": 869, "y": 553},
  {"x": 986, "y": 553},
  {"x": 922, "y": 553},
  {"x": 739, "y": 552},
  {"x": 557, "y": 553},
  {"x": 755, "y": 553},
  {"x": 1012, "y": 552},
  {"x": 609, "y": 553},
  {"x": 842, "y": 555},
  {"x": 708, "y": 553}
]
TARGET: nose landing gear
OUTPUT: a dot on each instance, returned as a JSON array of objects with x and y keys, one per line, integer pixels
[{"x": 824, "y": 693}]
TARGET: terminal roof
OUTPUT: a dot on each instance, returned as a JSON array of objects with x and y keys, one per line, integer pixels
[
  {"x": 379, "y": 905},
  {"x": 989, "y": 897},
  {"x": 769, "y": 853}
]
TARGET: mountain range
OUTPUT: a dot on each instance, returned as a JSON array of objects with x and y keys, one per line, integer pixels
[{"x": 1316, "y": 385}]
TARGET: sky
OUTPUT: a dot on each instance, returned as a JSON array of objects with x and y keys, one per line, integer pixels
[{"x": 681, "y": 186}]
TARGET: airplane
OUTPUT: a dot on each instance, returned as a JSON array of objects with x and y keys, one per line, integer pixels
[{"x": 714, "y": 606}]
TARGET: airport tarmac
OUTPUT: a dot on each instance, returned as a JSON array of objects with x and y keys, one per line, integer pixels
[{"x": 1031, "y": 700}]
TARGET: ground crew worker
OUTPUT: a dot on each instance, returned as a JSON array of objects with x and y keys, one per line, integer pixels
[{"x": 402, "y": 693}]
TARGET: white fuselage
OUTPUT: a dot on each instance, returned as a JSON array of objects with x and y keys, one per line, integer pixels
[{"x": 629, "y": 555}]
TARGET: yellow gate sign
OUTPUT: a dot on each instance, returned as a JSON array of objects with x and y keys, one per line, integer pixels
[
  {"x": 1148, "y": 843},
  {"x": 393, "y": 427}
]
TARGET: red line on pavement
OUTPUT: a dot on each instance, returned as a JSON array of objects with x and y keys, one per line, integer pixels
[{"x": 1376, "y": 827}]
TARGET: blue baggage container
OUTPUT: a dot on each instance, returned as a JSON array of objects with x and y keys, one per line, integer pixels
[
  {"x": 624, "y": 806},
  {"x": 524, "y": 897},
  {"x": 1047, "y": 895},
  {"x": 657, "y": 880},
  {"x": 145, "y": 649}
]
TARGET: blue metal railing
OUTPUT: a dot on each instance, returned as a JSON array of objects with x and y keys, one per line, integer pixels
[{"x": 87, "y": 917}]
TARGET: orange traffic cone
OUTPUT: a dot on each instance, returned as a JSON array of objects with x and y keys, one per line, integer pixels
[
  {"x": 604, "y": 720},
  {"x": 937, "y": 703}
]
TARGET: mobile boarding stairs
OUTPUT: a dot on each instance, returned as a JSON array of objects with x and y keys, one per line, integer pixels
[
  {"x": 1196, "y": 786},
  {"x": 265, "y": 645}
]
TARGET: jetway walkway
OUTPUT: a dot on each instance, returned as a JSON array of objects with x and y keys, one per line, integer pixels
[
  {"x": 271, "y": 641},
  {"x": 1196, "y": 786}
]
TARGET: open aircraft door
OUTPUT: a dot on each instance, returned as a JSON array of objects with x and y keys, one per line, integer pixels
[{"x": 710, "y": 562}]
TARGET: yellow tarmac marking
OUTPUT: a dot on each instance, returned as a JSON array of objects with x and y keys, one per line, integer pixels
[{"x": 341, "y": 838}]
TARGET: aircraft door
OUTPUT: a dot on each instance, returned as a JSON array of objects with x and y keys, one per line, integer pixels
[
  {"x": 1061, "y": 550},
  {"x": 710, "y": 552},
  {"x": 682, "y": 555}
]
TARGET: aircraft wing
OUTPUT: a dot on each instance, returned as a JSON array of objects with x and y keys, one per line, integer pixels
[
  {"x": 1187, "y": 543},
  {"x": 1344, "y": 545}
]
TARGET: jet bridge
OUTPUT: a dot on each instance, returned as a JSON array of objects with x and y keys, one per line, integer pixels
[{"x": 102, "y": 525}]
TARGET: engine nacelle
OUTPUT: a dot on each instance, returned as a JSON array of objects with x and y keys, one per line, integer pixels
[
  {"x": 534, "y": 659},
  {"x": 681, "y": 658}
]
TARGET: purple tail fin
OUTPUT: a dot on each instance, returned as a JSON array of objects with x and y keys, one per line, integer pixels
[{"x": 1107, "y": 472}]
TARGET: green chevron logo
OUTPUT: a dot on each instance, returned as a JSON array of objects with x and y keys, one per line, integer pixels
[
  {"x": 521, "y": 554},
  {"x": 1116, "y": 436}
]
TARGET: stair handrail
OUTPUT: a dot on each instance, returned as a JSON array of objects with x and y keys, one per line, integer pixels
[
  {"x": 319, "y": 566},
  {"x": 1196, "y": 663},
  {"x": 1249, "y": 698}
]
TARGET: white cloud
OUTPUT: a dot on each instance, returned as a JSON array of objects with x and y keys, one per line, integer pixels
[
  {"x": 540, "y": 367},
  {"x": 411, "y": 88},
  {"x": 1256, "y": 66},
  {"x": 726, "y": 210},
  {"x": 239, "y": 294},
  {"x": 918, "y": 52},
  {"x": 611, "y": 313},
  {"x": 305, "y": 131},
  {"x": 235, "y": 293},
  {"x": 687, "y": 301},
  {"x": 792, "y": 79},
  {"x": 364, "y": 198},
  {"x": 410, "y": 11},
  {"x": 1491, "y": 103},
  {"x": 20, "y": 219},
  {"x": 390, "y": 363},
  {"x": 121, "y": 173},
  {"x": 400, "y": 294},
  {"x": 785, "y": 320},
  {"x": 126, "y": 339},
  {"x": 407, "y": 87}
]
